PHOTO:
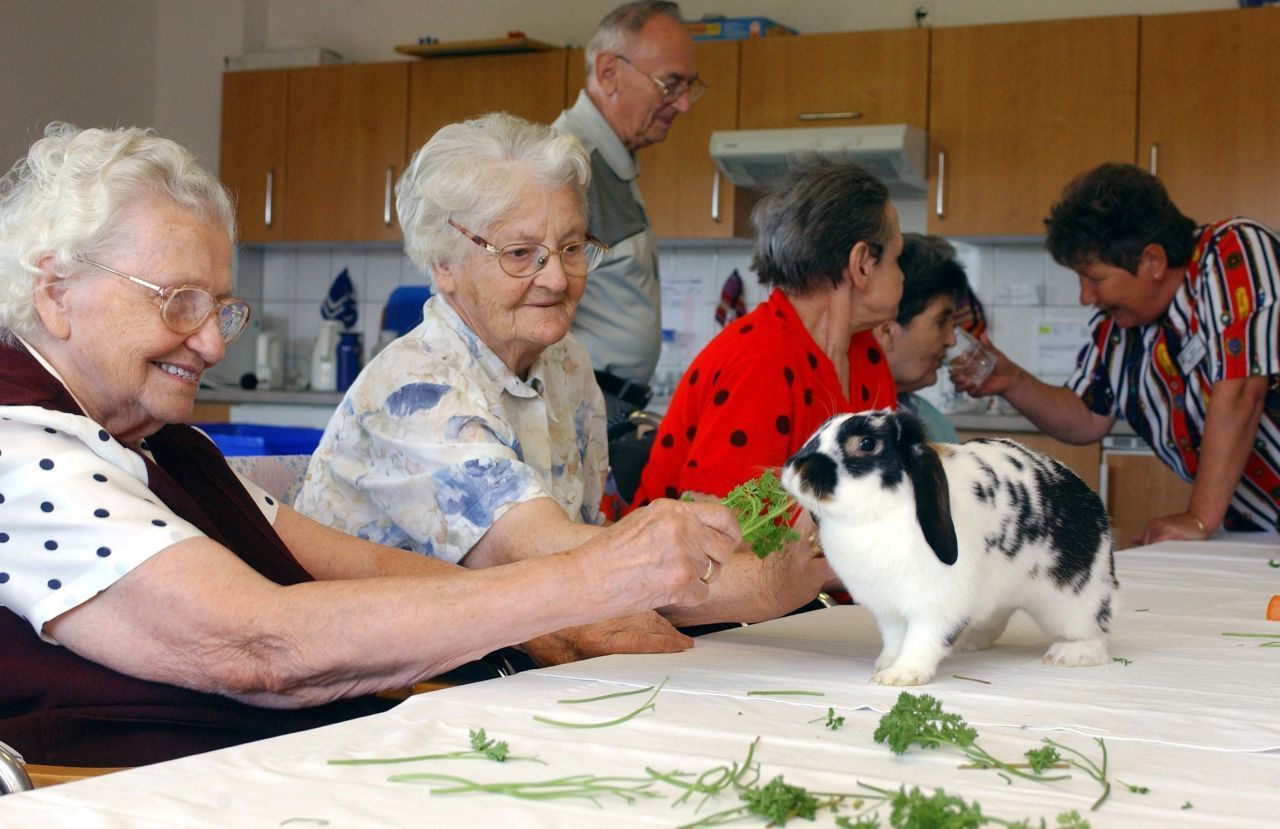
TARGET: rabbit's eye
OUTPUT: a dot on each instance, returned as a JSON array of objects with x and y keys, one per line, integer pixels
[{"x": 868, "y": 445}]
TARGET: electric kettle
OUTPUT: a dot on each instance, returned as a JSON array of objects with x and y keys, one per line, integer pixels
[{"x": 324, "y": 356}]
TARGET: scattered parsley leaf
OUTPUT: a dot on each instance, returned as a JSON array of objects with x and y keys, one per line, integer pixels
[
  {"x": 1122, "y": 660},
  {"x": 1188, "y": 805},
  {"x": 481, "y": 748},
  {"x": 777, "y": 801},
  {"x": 920, "y": 720},
  {"x": 602, "y": 697},
  {"x": 1042, "y": 758},
  {"x": 647, "y": 706},
  {"x": 832, "y": 721},
  {"x": 1271, "y": 562}
]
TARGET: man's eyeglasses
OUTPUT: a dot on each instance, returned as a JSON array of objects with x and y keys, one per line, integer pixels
[
  {"x": 186, "y": 307},
  {"x": 671, "y": 91},
  {"x": 525, "y": 258}
]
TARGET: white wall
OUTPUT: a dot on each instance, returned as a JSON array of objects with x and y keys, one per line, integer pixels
[{"x": 90, "y": 62}]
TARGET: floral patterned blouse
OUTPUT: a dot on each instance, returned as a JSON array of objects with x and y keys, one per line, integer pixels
[{"x": 437, "y": 439}]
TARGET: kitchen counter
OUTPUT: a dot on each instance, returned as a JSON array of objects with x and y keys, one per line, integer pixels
[
  {"x": 964, "y": 421},
  {"x": 300, "y": 397}
]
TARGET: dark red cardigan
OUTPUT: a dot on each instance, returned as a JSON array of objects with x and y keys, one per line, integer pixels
[{"x": 59, "y": 708}]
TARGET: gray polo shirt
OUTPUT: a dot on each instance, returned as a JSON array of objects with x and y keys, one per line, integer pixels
[{"x": 619, "y": 318}]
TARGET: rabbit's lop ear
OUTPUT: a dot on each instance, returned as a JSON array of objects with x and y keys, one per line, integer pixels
[{"x": 929, "y": 482}]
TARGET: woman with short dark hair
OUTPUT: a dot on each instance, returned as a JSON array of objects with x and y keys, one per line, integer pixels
[
  {"x": 1185, "y": 347},
  {"x": 828, "y": 243}
]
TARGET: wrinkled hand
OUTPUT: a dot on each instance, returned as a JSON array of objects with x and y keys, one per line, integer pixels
[
  {"x": 1184, "y": 526},
  {"x": 666, "y": 553},
  {"x": 793, "y": 576},
  {"x": 1002, "y": 377},
  {"x": 642, "y": 633}
]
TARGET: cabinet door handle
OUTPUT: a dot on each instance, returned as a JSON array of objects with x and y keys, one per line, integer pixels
[
  {"x": 1154, "y": 158},
  {"x": 266, "y": 209},
  {"x": 828, "y": 116},
  {"x": 386, "y": 198},
  {"x": 715, "y": 197},
  {"x": 942, "y": 173}
]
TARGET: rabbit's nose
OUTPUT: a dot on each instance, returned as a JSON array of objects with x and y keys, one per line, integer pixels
[{"x": 817, "y": 473}]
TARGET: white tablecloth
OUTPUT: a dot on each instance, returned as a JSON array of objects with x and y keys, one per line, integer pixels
[{"x": 1193, "y": 716}]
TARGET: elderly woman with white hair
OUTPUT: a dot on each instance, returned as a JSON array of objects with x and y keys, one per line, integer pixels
[
  {"x": 479, "y": 437},
  {"x": 152, "y": 604}
]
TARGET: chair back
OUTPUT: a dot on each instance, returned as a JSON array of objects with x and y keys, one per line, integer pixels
[
  {"x": 280, "y": 475},
  {"x": 13, "y": 775}
]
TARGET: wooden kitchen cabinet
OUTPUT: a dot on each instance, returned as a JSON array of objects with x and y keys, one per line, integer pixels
[
  {"x": 252, "y": 155},
  {"x": 848, "y": 78},
  {"x": 1017, "y": 110},
  {"x": 346, "y": 148},
  {"x": 1085, "y": 461},
  {"x": 1209, "y": 112},
  {"x": 685, "y": 196},
  {"x": 445, "y": 90},
  {"x": 1140, "y": 487}
]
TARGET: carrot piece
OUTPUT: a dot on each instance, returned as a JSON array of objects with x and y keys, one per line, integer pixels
[{"x": 1273, "y": 609}]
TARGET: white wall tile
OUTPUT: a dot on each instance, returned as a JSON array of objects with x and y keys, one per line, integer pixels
[
  {"x": 1061, "y": 286},
  {"x": 1013, "y": 329},
  {"x": 1016, "y": 264},
  {"x": 315, "y": 275},
  {"x": 383, "y": 270},
  {"x": 279, "y": 272}
]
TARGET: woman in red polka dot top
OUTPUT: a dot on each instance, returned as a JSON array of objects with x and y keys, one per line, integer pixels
[{"x": 828, "y": 243}]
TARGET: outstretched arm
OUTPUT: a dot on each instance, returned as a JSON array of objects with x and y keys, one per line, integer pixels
[{"x": 1230, "y": 426}]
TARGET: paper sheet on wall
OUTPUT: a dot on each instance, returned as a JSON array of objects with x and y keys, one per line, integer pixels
[
  {"x": 684, "y": 310},
  {"x": 1055, "y": 346}
]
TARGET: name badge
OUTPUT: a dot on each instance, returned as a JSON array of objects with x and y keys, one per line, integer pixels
[{"x": 1193, "y": 351}]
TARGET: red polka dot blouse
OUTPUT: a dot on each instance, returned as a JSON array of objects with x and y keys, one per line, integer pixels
[{"x": 751, "y": 398}]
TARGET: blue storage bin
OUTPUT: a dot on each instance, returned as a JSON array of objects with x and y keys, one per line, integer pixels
[
  {"x": 403, "y": 311},
  {"x": 258, "y": 439}
]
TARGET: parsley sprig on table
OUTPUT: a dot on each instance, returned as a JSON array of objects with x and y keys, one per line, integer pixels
[
  {"x": 920, "y": 720},
  {"x": 482, "y": 748},
  {"x": 763, "y": 509}
]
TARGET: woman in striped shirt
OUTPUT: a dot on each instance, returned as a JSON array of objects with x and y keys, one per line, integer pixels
[{"x": 1185, "y": 347}]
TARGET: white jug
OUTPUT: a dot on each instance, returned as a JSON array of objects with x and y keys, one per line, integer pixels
[
  {"x": 269, "y": 365},
  {"x": 324, "y": 356}
]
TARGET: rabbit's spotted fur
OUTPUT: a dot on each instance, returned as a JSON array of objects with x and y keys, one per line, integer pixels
[{"x": 942, "y": 542}]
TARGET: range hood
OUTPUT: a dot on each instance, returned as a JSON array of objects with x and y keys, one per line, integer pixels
[{"x": 893, "y": 153}]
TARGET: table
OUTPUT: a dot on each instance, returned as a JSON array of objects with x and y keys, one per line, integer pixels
[{"x": 1190, "y": 714}]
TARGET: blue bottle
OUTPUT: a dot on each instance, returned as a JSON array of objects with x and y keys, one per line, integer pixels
[{"x": 350, "y": 352}]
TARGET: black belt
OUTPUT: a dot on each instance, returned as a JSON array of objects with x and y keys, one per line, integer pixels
[{"x": 628, "y": 391}]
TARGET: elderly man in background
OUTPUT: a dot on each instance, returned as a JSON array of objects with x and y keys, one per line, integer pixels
[{"x": 641, "y": 74}]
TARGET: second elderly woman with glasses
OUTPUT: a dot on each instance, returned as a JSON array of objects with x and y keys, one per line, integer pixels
[{"x": 479, "y": 437}]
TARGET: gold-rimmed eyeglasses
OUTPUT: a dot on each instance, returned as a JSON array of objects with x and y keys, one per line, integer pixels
[
  {"x": 523, "y": 259},
  {"x": 671, "y": 90},
  {"x": 184, "y": 308}
]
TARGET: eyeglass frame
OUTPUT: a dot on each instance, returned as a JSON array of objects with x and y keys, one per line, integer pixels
[
  {"x": 497, "y": 251},
  {"x": 166, "y": 293},
  {"x": 694, "y": 87}
]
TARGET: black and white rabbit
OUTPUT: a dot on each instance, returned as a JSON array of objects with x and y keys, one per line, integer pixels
[{"x": 942, "y": 542}]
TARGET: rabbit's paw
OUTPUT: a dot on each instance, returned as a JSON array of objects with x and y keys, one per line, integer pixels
[
  {"x": 902, "y": 675},
  {"x": 1077, "y": 654}
]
